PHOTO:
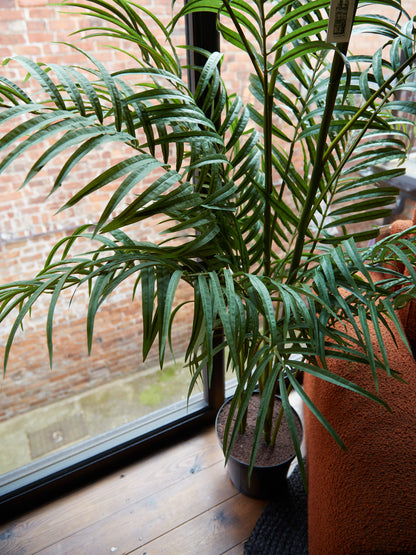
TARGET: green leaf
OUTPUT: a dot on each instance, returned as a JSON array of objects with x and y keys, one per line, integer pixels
[
  {"x": 167, "y": 311},
  {"x": 118, "y": 170},
  {"x": 148, "y": 280},
  {"x": 43, "y": 79},
  {"x": 315, "y": 411}
]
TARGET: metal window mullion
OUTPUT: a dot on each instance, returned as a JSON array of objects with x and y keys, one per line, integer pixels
[{"x": 201, "y": 32}]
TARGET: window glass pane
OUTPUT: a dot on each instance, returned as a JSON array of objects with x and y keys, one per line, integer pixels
[{"x": 45, "y": 410}]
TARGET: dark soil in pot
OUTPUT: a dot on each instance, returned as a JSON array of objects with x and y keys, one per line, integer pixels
[{"x": 272, "y": 463}]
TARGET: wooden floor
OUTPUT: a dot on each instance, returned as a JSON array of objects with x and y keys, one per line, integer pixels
[{"x": 177, "y": 502}]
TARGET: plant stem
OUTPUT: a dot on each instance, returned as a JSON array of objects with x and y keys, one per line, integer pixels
[
  {"x": 323, "y": 156},
  {"x": 244, "y": 40},
  {"x": 277, "y": 425},
  {"x": 319, "y": 164},
  {"x": 269, "y": 84},
  {"x": 268, "y": 170},
  {"x": 369, "y": 102}
]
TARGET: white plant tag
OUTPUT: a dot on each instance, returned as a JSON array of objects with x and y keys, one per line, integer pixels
[{"x": 341, "y": 15}]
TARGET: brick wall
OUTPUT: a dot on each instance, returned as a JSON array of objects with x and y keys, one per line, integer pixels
[{"x": 29, "y": 225}]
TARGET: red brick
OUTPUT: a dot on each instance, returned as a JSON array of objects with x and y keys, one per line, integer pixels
[
  {"x": 36, "y": 26},
  {"x": 35, "y": 37},
  {"x": 10, "y": 14},
  {"x": 41, "y": 11},
  {"x": 11, "y": 39},
  {"x": 31, "y": 3},
  {"x": 6, "y": 5}
]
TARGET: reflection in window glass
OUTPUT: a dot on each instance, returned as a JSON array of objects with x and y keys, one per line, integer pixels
[{"x": 45, "y": 410}]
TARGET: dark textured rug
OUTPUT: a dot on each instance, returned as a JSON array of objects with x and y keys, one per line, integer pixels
[{"x": 282, "y": 528}]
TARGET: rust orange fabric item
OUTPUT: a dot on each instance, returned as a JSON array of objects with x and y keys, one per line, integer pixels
[{"x": 363, "y": 500}]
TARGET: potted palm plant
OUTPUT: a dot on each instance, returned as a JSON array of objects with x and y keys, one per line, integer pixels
[{"x": 266, "y": 206}]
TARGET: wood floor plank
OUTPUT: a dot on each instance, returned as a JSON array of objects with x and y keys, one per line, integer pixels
[
  {"x": 178, "y": 501},
  {"x": 76, "y": 511},
  {"x": 212, "y": 533},
  {"x": 237, "y": 549},
  {"x": 155, "y": 516}
]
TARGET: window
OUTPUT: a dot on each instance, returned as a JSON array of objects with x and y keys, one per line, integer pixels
[{"x": 83, "y": 415}]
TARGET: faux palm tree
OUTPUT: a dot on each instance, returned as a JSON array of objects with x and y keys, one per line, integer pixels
[{"x": 264, "y": 204}]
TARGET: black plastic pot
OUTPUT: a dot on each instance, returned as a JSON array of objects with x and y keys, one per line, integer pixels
[{"x": 265, "y": 482}]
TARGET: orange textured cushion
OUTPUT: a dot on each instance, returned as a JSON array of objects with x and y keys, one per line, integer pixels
[{"x": 363, "y": 500}]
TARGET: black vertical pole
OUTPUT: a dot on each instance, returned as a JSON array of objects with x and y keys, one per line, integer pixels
[{"x": 201, "y": 32}]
